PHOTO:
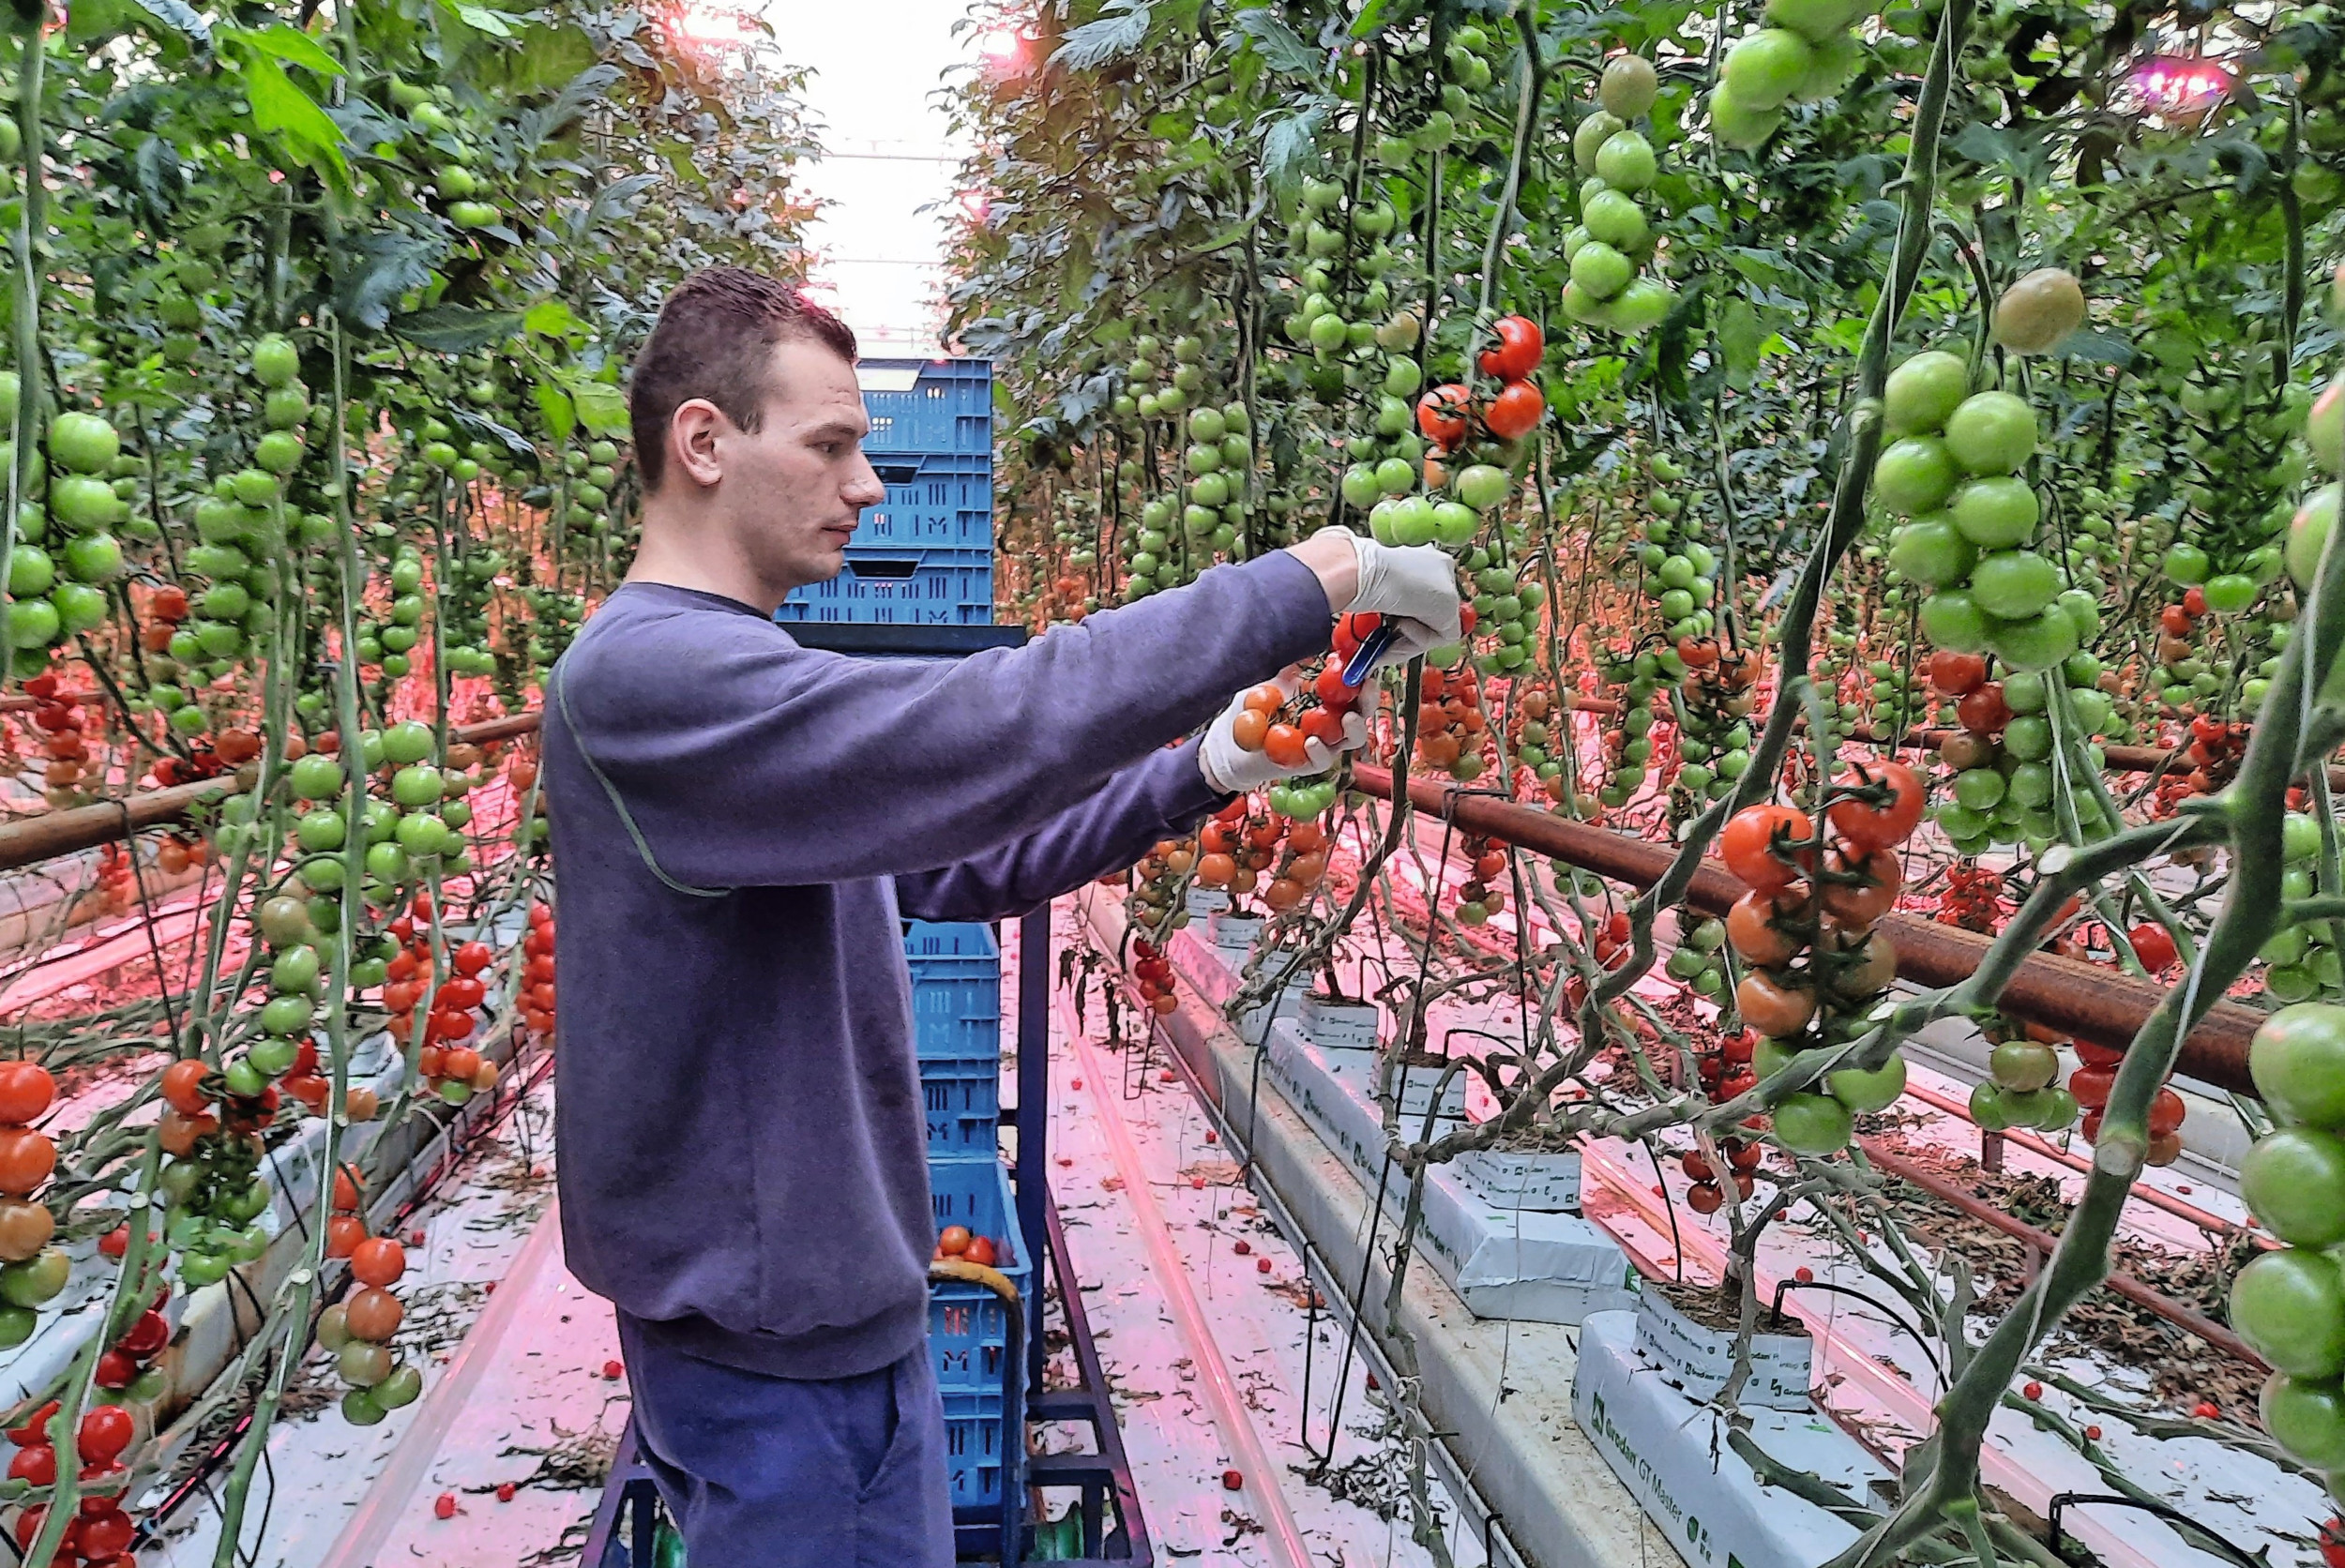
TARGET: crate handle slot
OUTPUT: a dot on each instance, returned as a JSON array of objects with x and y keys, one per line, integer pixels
[
  {"x": 896, "y": 570},
  {"x": 895, "y": 473}
]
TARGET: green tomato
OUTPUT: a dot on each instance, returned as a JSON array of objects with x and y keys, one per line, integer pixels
[
  {"x": 1931, "y": 551},
  {"x": 2015, "y": 585},
  {"x": 1813, "y": 1124},
  {"x": 2290, "y": 1306},
  {"x": 1865, "y": 1092},
  {"x": 2185, "y": 565},
  {"x": 1991, "y": 433},
  {"x": 2293, "y": 1180},
  {"x": 1765, "y": 69},
  {"x": 83, "y": 444},
  {"x": 2039, "y": 642},
  {"x": 1625, "y": 162},
  {"x": 1996, "y": 512},
  {"x": 275, "y": 361},
  {"x": 1923, "y": 391},
  {"x": 2297, "y": 1060},
  {"x": 1598, "y": 271},
  {"x": 1952, "y": 620},
  {"x": 2307, "y": 1417},
  {"x": 1915, "y": 475},
  {"x": 316, "y": 777}
]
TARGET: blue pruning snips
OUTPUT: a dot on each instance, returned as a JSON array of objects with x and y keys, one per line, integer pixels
[{"x": 1363, "y": 657}]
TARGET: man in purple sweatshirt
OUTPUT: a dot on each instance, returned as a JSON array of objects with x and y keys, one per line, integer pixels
[{"x": 740, "y": 823}]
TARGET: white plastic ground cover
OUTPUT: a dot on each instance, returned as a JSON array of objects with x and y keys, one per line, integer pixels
[
  {"x": 1672, "y": 1452},
  {"x": 1527, "y": 1265}
]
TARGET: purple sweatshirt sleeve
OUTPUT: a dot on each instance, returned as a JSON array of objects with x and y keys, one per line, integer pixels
[
  {"x": 1163, "y": 796},
  {"x": 755, "y": 763}
]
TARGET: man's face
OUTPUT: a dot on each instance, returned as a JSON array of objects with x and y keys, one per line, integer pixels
[{"x": 794, "y": 489}]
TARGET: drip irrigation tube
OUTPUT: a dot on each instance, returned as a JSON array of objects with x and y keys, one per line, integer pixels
[{"x": 1258, "y": 1476}]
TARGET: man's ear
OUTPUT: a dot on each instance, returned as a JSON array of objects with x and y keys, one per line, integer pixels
[{"x": 692, "y": 441}]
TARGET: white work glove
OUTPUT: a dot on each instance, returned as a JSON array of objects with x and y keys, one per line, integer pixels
[
  {"x": 1414, "y": 587},
  {"x": 1233, "y": 769}
]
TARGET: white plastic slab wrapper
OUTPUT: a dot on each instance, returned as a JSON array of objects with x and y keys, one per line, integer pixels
[
  {"x": 1504, "y": 1262},
  {"x": 1672, "y": 1452}
]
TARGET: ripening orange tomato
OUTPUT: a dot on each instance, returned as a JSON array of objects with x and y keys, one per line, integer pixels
[
  {"x": 1772, "y": 1006},
  {"x": 1748, "y": 843}
]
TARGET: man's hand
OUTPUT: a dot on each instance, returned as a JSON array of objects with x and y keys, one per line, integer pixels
[
  {"x": 1414, "y": 588},
  {"x": 1233, "y": 767}
]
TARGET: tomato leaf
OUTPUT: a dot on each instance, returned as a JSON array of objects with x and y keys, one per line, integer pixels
[
  {"x": 290, "y": 116},
  {"x": 456, "y": 328},
  {"x": 482, "y": 425},
  {"x": 374, "y": 270},
  {"x": 601, "y": 407},
  {"x": 1286, "y": 145},
  {"x": 549, "y": 318},
  {"x": 293, "y": 46},
  {"x": 554, "y": 404},
  {"x": 1112, "y": 36},
  {"x": 1281, "y": 49}
]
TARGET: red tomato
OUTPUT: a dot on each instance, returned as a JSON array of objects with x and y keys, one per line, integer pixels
[
  {"x": 27, "y": 1159},
  {"x": 1331, "y": 691},
  {"x": 1868, "y": 826},
  {"x": 1441, "y": 414},
  {"x": 181, "y": 1081},
  {"x": 2166, "y": 1113},
  {"x": 953, "y": 1241},
  {"x": 980, "y": 1250},
  {"x": 1983, "y": 712},
  {"x": 1324, "y": 725},
  {"x": 106, "y": 1431},
  {"x": 1283, "y": 745},
  {"x": 2194, "y": 601},
  {"x": 25, "y": 1090},
  {"x": 1516, "y": 411},
  {"x": 1957, "y": 674},
  {"x": 36, "y": 1463},
  {"x": 2091, "y": 1086},
  {"x": 2174, "y": 621},
  {"x": 1517, "y": 353},
  {"x": 474, "y": 957},
  {"x": 378, "y": 1260},
  {"x": 1747, "y": 845},
  {"x": 2153, "y": 946},
  {"x": 148, "y": 1333}
]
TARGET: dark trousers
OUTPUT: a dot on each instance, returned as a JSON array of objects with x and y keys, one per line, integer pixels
[{"x": 845, "y": 1473}]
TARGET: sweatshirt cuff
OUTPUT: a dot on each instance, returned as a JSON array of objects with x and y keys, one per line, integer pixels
[
  {"x": 1182, "y": 792},
  {"x": 1305, "y": 622}
]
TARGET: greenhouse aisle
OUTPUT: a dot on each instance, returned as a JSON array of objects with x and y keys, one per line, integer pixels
[{"x": 501, "y": 1460}]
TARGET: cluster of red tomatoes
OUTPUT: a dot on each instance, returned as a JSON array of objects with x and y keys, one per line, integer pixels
[
  {"x": 57, "y": 714},
  {"x": 358, "y": 1331},
  {"x": 166, "y": 611},
  {"x": 127, "y": 1365},
  {"x": 1807, "y": 930},
  {"x": 31, "y": 1271},
  {"x": 1236, "y": 847},
  {"x": 1478, "y": 899},
  {"x": 2090, "y": 1084},
  {"x": 1154, "y": 972},
  {"x": 1449, "y": 414},
  {"x": 955, "y": 1241},
  {"x": 455, "y": 1068},
  {"x": 1972, "y": 898},
  {"x": 100, "y": 1532},
  {"x": 1725, "y": 1072},
  {"x": 2214, "y": 753},
  {"x": 538, "y": 971},
  {"x": 1451, "y": 728},
  {"x": 1277, "y": 725}
]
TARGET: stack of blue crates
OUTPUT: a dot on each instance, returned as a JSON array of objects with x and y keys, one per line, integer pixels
[
  {"x": 925, "y": 555},
  {"x": 957, "y": 1034}
]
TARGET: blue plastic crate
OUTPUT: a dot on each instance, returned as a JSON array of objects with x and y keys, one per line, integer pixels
[
  {"x": 964, "y": 1098},
  {"x": 968, "y": 1325},
  {"x": 902, "y": 585},
  {"x": 975, "y": 1433},
  {"x": 956, "y": 992},
  {"x": 934, "y": 499},
  {"x": 929, "y": 405}
]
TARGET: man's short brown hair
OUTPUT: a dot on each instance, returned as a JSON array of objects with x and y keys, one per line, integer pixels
[{"x": 714, "y": 339}]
